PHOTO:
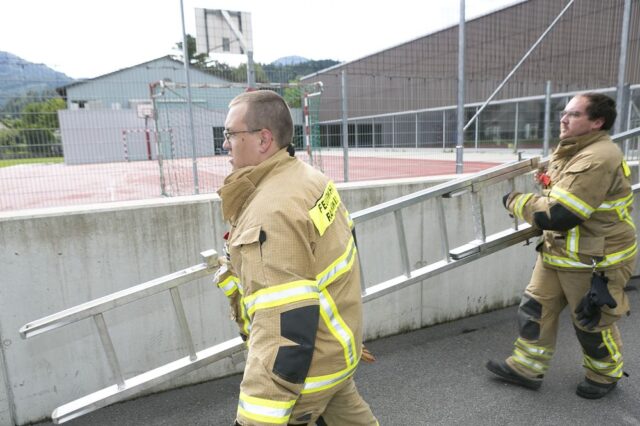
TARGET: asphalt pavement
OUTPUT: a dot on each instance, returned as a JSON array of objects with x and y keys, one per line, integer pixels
[{"x": 432, "y": 376}]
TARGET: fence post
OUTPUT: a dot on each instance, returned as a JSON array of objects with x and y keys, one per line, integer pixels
[
  {"x": 460, "y": 121},
  {"x": 185, "y": 54},
  {"x": 622, "y": 65},
  {"x": 547, "y": 119},
  {"x": 515, "y": 130},
  {"x": 345, "y": 128}
]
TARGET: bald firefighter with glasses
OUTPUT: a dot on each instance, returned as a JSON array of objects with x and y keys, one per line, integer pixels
[
  {"x": 586, "y": 255},
  {"x": 291, "y": 274}
]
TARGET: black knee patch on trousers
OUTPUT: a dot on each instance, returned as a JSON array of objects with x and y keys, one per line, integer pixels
[
  {"x": 592, "y": 343},
  {"x": 529, "y": 311},
  {"x": 298, "y": 325}
]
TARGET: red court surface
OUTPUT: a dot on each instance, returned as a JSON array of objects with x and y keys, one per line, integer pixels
[{"x": 56, "y": 185}]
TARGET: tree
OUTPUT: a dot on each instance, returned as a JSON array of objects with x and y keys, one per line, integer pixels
[
  {"x": 198, "y": 59},
  {"x": 40, "y": 127}
]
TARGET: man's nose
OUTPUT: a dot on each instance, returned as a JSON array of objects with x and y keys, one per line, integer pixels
[{"x": 226, "y": 145}]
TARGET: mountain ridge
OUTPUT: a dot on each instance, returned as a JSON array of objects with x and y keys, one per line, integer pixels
[{"x": 19, "y": 77}]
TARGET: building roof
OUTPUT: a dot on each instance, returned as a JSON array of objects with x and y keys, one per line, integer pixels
[{"x": 63, "y": 89}]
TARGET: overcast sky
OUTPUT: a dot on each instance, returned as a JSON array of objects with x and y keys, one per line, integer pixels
[{"x": 87, "y": 38}]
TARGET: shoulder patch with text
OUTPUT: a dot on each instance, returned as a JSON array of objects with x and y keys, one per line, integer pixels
[{"x": 324, "y": 212}]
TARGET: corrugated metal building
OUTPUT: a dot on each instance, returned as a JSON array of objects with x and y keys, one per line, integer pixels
[{"x": 581, "y": 52}]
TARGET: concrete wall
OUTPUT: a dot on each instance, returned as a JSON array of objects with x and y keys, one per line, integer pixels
[{"x": 57, "y": 258}]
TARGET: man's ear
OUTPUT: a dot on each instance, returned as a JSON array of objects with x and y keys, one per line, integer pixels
[
  {"x": 266, "y": 140},
  {"x": 598, "y": 123}
]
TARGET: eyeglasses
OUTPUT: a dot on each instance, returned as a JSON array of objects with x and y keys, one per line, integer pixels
[
  {"x": 571, "y": 114},
  {"x": 228, "y": 135}
]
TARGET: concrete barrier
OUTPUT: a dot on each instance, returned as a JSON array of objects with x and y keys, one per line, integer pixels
[{"x": 53, "y": 259}]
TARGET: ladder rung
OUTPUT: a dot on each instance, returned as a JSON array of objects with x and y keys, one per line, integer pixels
[{"x": 495, "y": 241}]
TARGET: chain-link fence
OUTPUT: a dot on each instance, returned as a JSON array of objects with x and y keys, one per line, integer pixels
[{"x": 138, "y": 132}]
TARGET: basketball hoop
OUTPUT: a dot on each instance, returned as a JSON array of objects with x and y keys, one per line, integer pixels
[{"x": 145, "y": 110}]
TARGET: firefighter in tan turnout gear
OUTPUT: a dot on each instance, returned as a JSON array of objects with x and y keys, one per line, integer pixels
[
  {"x": 587, "y": 253},
  {"x": 292, "y": 276}
]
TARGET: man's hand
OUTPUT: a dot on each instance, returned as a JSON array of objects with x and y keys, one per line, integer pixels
[{"x": 367, "y": 356}]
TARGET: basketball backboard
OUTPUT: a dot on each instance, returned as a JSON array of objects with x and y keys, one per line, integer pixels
[{"x": 223, "y": 31}]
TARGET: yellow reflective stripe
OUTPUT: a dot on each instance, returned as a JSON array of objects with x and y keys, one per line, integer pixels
[
  {"x": 521, "y": 200},
  {"x": 614, "y": 204},
  {"x": 611, "y": 345},
  {"x": 324, "y": 212},
  {"x": 572, "y": 202},
  {"x": 610, "y": 259},
  {"x": 610, "y": 369},
  {"x": 625, "y": 168},
  {"x": 534, "y": 350},
  {"x": 348, "y": 217},
  {"x": 282, "y": 294},
  {"x": 573, "y": 242},
  {"x": 337, "y": 327},
  {"x": 522, "y": 358},
  {"x": 621, "y": 206},
  {"x": 229, "y": 285},
  {"x": 246, "y": 321},
  {"x": 341, "y": 265},
  {"x": 265, "y": 410},
  {"x": 319, "y": 383}
]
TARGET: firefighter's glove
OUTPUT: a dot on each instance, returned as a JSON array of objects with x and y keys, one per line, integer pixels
[
  {"x": 505, "y": 200},
  {"x": 508, "y": 198},
  {"x": 588, "y": 311}
]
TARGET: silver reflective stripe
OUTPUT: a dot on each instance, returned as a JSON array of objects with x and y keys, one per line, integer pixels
[
  {"x": 229, "y": 286},
  {"x": 611, "y": 205},
  {"x": 571, "y": 201},
  {"x": 534, "y": 350},
  {"x": 528, "y": 362},
  {"x": 265, "y": 410},
  {"x": 315, "y": 384},
  {"x": 573, "y": 237},
  {"x": 281, "y": 295},
  {"x": 329, "y": 275},
  {"x": 335, "y": 323}
]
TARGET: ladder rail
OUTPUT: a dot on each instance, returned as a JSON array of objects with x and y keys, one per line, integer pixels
[{"x": 120, "y": 298}]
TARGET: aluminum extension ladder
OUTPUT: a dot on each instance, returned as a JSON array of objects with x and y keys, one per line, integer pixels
[{"x": 481, "y": 246}]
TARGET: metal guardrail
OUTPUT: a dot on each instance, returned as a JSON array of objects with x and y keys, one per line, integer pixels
[{"x": 479, "y": 247}]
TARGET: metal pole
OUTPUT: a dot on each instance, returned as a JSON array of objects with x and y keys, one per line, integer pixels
[
  {"x": 477, "y": 126},
  {"x": 393, "y": 131},
  {"x": 547, "y": 120},
  {"x": 251, "y": 70},
  {"x": 460, "y": 124},
  {"x": 416, "y": 129},
  {"x": 515, "y": 130},
  {"x": 444, "y": 128},
  {"x": 185, "y": 54},
  {"x": 345, "y": 128},
  {"x": 622, "y": 63},
  {"x": 526, "y": 55}
]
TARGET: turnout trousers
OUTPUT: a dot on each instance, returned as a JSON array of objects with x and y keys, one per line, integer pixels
[
  {"x": 341, "y": 405},
  {"x": 547, "y": 294}
]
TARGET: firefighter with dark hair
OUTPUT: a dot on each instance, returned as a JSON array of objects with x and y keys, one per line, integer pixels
[
  {"x": 587, "y": 252},
  {"x": 292, "y": 276}
]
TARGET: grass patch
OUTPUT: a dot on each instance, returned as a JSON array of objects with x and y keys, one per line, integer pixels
[{"x": 16, "y": 161}]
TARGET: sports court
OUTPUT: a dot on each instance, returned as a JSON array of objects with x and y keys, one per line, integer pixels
[{"x": 54, "y": 185}]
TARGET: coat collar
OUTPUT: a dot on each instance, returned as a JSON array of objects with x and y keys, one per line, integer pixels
[
  {"x": 242, "y": 183},
  {"x": 570, "y": 146}
]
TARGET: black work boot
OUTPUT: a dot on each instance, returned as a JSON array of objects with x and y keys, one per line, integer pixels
[
  {"x": 593, "y": 390},
  {"x": 502, "y": 369}
]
